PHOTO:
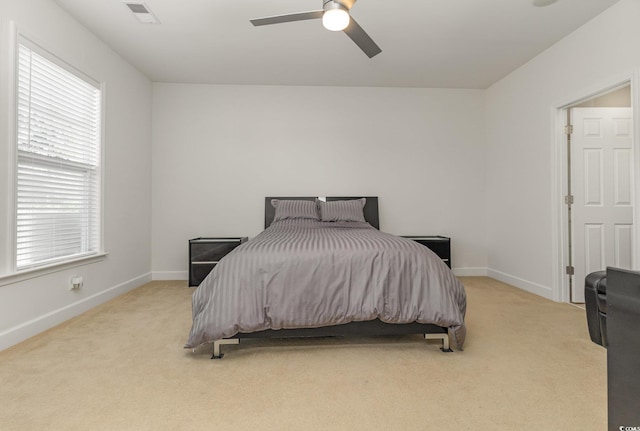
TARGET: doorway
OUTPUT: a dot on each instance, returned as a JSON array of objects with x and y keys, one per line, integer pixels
[{"x": 599, "y": 202}]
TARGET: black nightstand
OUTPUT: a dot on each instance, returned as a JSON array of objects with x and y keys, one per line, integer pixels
[
  {"x": 440, "y": 245},
  {"x": 205, "y": 253}
]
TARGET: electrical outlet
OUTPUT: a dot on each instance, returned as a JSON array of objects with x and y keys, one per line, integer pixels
[{"x": 76, "y": 282}]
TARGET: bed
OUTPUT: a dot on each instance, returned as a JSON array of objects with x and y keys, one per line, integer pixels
[{"x": 322, "y": 268}]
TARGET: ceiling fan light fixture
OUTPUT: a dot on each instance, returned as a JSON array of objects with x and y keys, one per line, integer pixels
[{"x": 336, "y": 17}]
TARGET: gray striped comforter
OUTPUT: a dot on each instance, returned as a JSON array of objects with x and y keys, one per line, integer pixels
[{"x": 305, "y": 273}]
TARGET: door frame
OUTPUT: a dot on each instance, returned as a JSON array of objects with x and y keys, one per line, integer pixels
[{"x": 559, "y": 176}]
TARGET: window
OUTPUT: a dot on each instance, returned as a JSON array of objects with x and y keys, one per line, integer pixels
[{"x": 59, "y": 159}]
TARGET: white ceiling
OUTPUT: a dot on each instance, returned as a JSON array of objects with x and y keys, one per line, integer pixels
[{"x": 425, "y": 43}]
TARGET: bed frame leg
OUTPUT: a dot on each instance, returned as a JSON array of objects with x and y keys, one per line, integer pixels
[
  {"x": 445, "y": 340},
  {"x": 218, "y": 343}
]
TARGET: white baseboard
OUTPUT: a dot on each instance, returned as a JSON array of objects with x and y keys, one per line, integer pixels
[
  {"x": 538, "y": 289},
  {"x": 470, "y": 272},
  {"x": 520, "y": 283},
  {"x": 170, "y": 275},
  {"x": 535, "y": 288},
  {"x": 40, "y": 324}
]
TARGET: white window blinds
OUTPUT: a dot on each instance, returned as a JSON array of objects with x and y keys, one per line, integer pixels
[{"x": 58, "y": 153}]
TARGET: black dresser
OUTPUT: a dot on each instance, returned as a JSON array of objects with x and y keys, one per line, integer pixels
[
  {"x": 440, "y": 245},
  {"x": 205, "y": 253}
]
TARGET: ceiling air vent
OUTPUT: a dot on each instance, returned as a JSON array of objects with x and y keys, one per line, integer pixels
[{"x": 142, "y": 12}]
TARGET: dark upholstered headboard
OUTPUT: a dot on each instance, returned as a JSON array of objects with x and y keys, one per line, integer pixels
[{"x": 370, "y": 207}]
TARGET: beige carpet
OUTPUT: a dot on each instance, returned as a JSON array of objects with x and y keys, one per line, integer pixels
[{"x": 528, "y": 365}]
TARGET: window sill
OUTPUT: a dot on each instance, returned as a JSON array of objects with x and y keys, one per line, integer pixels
[{"x": 50, "y": 269}]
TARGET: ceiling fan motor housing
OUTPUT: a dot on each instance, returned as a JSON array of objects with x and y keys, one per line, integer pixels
[{"x": 337, "y": 4}]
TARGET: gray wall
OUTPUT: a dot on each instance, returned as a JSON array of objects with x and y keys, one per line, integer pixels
[
  {"x": 219, "y": 150},
  {"x": 522, "y": 144},
  {"x": 30, "y": 303}
]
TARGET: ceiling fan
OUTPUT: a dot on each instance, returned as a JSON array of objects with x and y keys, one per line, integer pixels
[{"x": 335, "y": 17}]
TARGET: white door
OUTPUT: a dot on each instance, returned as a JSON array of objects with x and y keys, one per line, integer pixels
[{"x": 602, "y": 187}]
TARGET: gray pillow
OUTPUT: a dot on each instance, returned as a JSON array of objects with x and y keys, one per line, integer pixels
[
  {"x": 351, "y": 210},
  {"x": 294, "y": 209}
]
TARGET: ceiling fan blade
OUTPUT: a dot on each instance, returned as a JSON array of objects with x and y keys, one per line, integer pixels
[
  {"x": 287, "y": 18},
  {"x": 362, "y": 39}
]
